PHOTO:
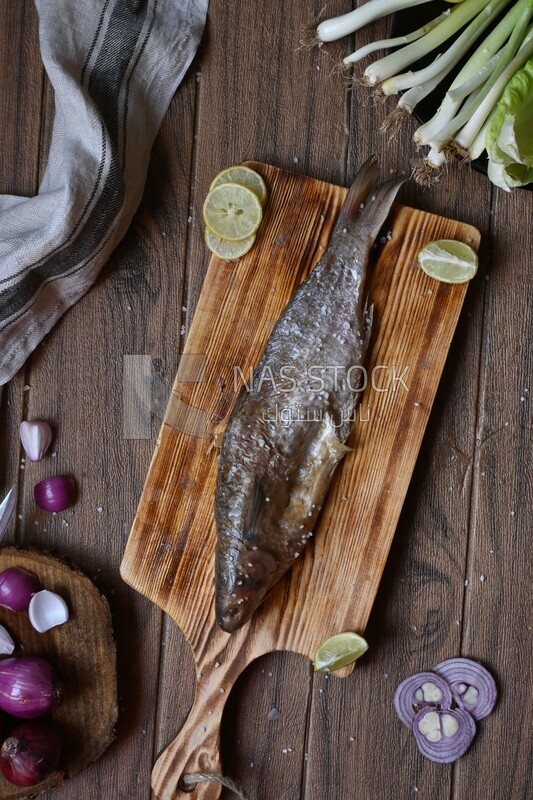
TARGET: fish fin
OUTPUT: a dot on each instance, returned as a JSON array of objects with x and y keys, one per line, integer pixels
[
  {"x": 256, "y": 503},
  {"x": 336, "y": 447},
  {"x": 366, "y": 206},
  {"x": 377, "y": 208},
  {"x": 364, "y": 182}
]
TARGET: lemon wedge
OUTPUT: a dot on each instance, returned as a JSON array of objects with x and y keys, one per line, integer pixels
[
  {"x": 244, "y": 176},
  {"x": 448, "y": 260},
  {"x": 232, "y": 212},
  {"x": 339, "y": 651},
  {"x": 229, "y": 251}
]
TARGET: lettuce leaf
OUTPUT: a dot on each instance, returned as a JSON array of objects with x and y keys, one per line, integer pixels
[{"x": 509, "y": 137}]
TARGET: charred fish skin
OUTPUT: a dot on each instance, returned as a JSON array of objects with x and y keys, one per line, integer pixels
[{"x": 287, "y": 432}]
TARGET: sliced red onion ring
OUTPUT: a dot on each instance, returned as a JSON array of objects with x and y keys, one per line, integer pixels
[
  {"x": 473, "y": 687},
  {"x": 443, "y": 735},
  {"x": 420, "y": 691}
]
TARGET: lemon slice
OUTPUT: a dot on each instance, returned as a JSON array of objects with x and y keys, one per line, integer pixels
[
  {"x": 232, "y": 212},
  {"x": 448, "y": 260},
  {"x": 229, "y": 251},
  {"x": 340, "y": 650},
  {"x": 244, "y": 176}
]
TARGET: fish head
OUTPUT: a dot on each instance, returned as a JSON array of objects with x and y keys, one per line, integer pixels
[{"x": 243, "y": 587}]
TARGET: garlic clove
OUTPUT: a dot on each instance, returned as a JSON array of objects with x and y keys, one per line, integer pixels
[
  {"x": 7, "y": 506},
  {"x": 7, "y": 645},
  {"x": 46, "y": 610},
  {"x": 36, "y": 437}
]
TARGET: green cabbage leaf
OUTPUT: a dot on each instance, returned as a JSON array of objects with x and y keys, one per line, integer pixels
[{"x": 509, "y": 136}]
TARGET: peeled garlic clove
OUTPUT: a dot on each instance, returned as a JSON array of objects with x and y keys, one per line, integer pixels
[
  {"x": 7, "y": 645},
  {"x": 46, "y": 610},
  {"x": 7, "y": 506},
  {"x": 35, "y": 437}
]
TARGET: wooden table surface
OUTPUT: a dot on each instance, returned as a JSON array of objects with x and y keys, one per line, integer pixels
[{"x": 459, "y": 577}]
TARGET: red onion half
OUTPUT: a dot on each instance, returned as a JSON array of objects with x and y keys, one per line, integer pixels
[
  {"x": 30, "y": 753},
  {"x": 55, "y": 493},
  {"x": 29, "y": 687},
  {"x": 473, "y": 687},
  {"x": 17, "y": 587},
  {"x": 443, "y": 735},
  {"x": 419, "y": 691}
]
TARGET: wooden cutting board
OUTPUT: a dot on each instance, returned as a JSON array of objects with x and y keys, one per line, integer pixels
[{"x": 169, "y": 555}]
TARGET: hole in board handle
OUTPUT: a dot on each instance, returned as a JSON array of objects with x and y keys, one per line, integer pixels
[{"x": 183, "y": 786}]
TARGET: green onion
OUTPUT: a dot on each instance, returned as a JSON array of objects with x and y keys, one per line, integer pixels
[
  {"x": 336, "y": 28},
  {"x": 362, "y": 52},
  {"x": 468, "y": 133},
  {"x": 429, "y": 131},
  {"x": 454, "y": 53},
  {"x": 462, "y": 121},
  {"x": 391, "y": 65}
]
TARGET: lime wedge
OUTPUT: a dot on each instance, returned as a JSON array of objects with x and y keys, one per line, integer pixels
[
  {"x": 244, "y": 176},
  {"x": 232, "y": 212},
  {"x": 340, "y": 650},
  {"x": 229, "y": 251},
  {"x": 449, "y": 261}
]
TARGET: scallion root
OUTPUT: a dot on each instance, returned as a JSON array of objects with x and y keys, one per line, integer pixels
[
  {"x": 426, "y": 174},
  {"x": 393, "y": 121}
]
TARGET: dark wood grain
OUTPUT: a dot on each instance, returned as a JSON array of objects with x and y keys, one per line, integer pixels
[{"x": 258, "y": 95}]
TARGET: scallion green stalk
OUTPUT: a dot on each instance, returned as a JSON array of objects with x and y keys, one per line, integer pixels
[
  {"x": 468, "y": 133},
  {"x": 397, "y": 41},
  {"x": 452, "y": 56},
  {"x": 392, "y": 64},
  {"x": 477, "y": 80},
  {"x": 429, "y": 131},
  {"x": 478, "y": 145},
  {"x": 469, "y": 114}
]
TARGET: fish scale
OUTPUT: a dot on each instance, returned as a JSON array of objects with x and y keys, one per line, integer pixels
[{"x": 287, "y": 431}]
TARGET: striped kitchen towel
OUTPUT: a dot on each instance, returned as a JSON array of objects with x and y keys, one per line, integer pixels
[{"x": 114, "y": 66}]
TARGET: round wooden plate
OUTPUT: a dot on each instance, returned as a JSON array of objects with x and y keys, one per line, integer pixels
[{"x": 83, "y": 653}]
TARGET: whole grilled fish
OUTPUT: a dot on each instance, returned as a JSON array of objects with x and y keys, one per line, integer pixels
[{"x": 286, "y": 432}]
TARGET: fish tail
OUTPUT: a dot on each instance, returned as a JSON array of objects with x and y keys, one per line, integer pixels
[
  {"x": 364, "y": 182},
  {"x": 376, "y": 210},
  {"x": 366, "y": 205}
]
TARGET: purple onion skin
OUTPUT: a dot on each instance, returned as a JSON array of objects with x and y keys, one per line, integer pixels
[
  {"x": 447, "y": 749},
  {"x": 17, "y": 587},
  {"x": 404, "y": 701},
  {"x": 464, "y": 670},
  {"x": 30, "y": 753},
  {"x": 29, "y": 687},
  {"x": 55, "y": 493}
]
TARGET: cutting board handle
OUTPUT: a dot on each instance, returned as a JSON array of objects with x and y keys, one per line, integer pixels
[{"x": 197, "y": 746}]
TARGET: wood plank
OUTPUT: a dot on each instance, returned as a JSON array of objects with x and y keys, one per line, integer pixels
[
  {"x": 497, "y": 624},
  {"x": 417, "y": 616},
  {"x": 21, "y": 90},
  {"x": 263, "y": 96},
  {"x": 179, "y": 489},
  {"x": 279, "y": 114},
  {"x": 76, "y": 382}
]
